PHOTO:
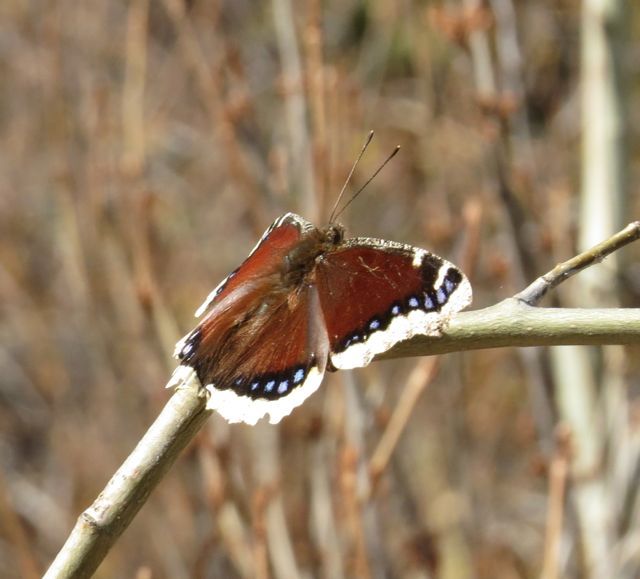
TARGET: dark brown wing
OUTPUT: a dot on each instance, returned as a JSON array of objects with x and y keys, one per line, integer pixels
[
  {"x": 265, "y": 259},
  {"x": 262, "y": 346},
  {"x": 268, "y": 363},
  {"x": 376, "y": 293}
]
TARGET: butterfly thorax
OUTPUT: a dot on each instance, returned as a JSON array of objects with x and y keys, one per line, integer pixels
[{"x": 300, "y": 261}]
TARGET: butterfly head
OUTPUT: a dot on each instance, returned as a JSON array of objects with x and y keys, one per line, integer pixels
[{"x": 333, "y": 234}]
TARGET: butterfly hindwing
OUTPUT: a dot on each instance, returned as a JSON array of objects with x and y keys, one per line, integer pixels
[{"x": 272, "y": 363}]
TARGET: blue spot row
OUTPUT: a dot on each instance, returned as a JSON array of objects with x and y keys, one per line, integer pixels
[
  {"x": 430, "y": 300},
  {"x": 271, "y": 386}
]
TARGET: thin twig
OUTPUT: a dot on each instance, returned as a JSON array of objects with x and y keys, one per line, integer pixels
[
  {"x": 295, "y": 107},
  {"x": 213, "y": 102},
  {"x": 16, "y": 536},
  {"x": 421, "y": 376},
  {"x": 558, "y": 474},
  {"x": 536, "y": 291}
]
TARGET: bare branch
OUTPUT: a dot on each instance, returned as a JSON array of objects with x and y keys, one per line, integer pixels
[{"x": 512, "y": 322}]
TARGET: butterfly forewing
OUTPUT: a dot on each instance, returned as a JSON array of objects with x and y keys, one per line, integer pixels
[{"x": 265, "y": 258}]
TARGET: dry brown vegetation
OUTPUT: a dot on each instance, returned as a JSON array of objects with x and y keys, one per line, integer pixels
[{"x": 146, "y": 145}]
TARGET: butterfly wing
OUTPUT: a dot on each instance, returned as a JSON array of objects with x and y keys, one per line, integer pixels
[
  {"x": 257, "y": 273},
  {"x": 262, "y": 346},
  {"x": 270, "y": 362},
  {"x": 264, "y": 260},
  {"x": 376, "y": 293}
]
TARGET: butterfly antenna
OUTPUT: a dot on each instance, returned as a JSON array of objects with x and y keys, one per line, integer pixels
[
  {"x": 391, "y": 156},
  {"x": 346, "y": 182}
]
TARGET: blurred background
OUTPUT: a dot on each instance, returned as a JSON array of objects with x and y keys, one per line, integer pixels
[{"x": 145, "y": 146}]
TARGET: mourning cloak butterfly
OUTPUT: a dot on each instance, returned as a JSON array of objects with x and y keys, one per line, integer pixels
[{"x": 307, "y": 300}]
